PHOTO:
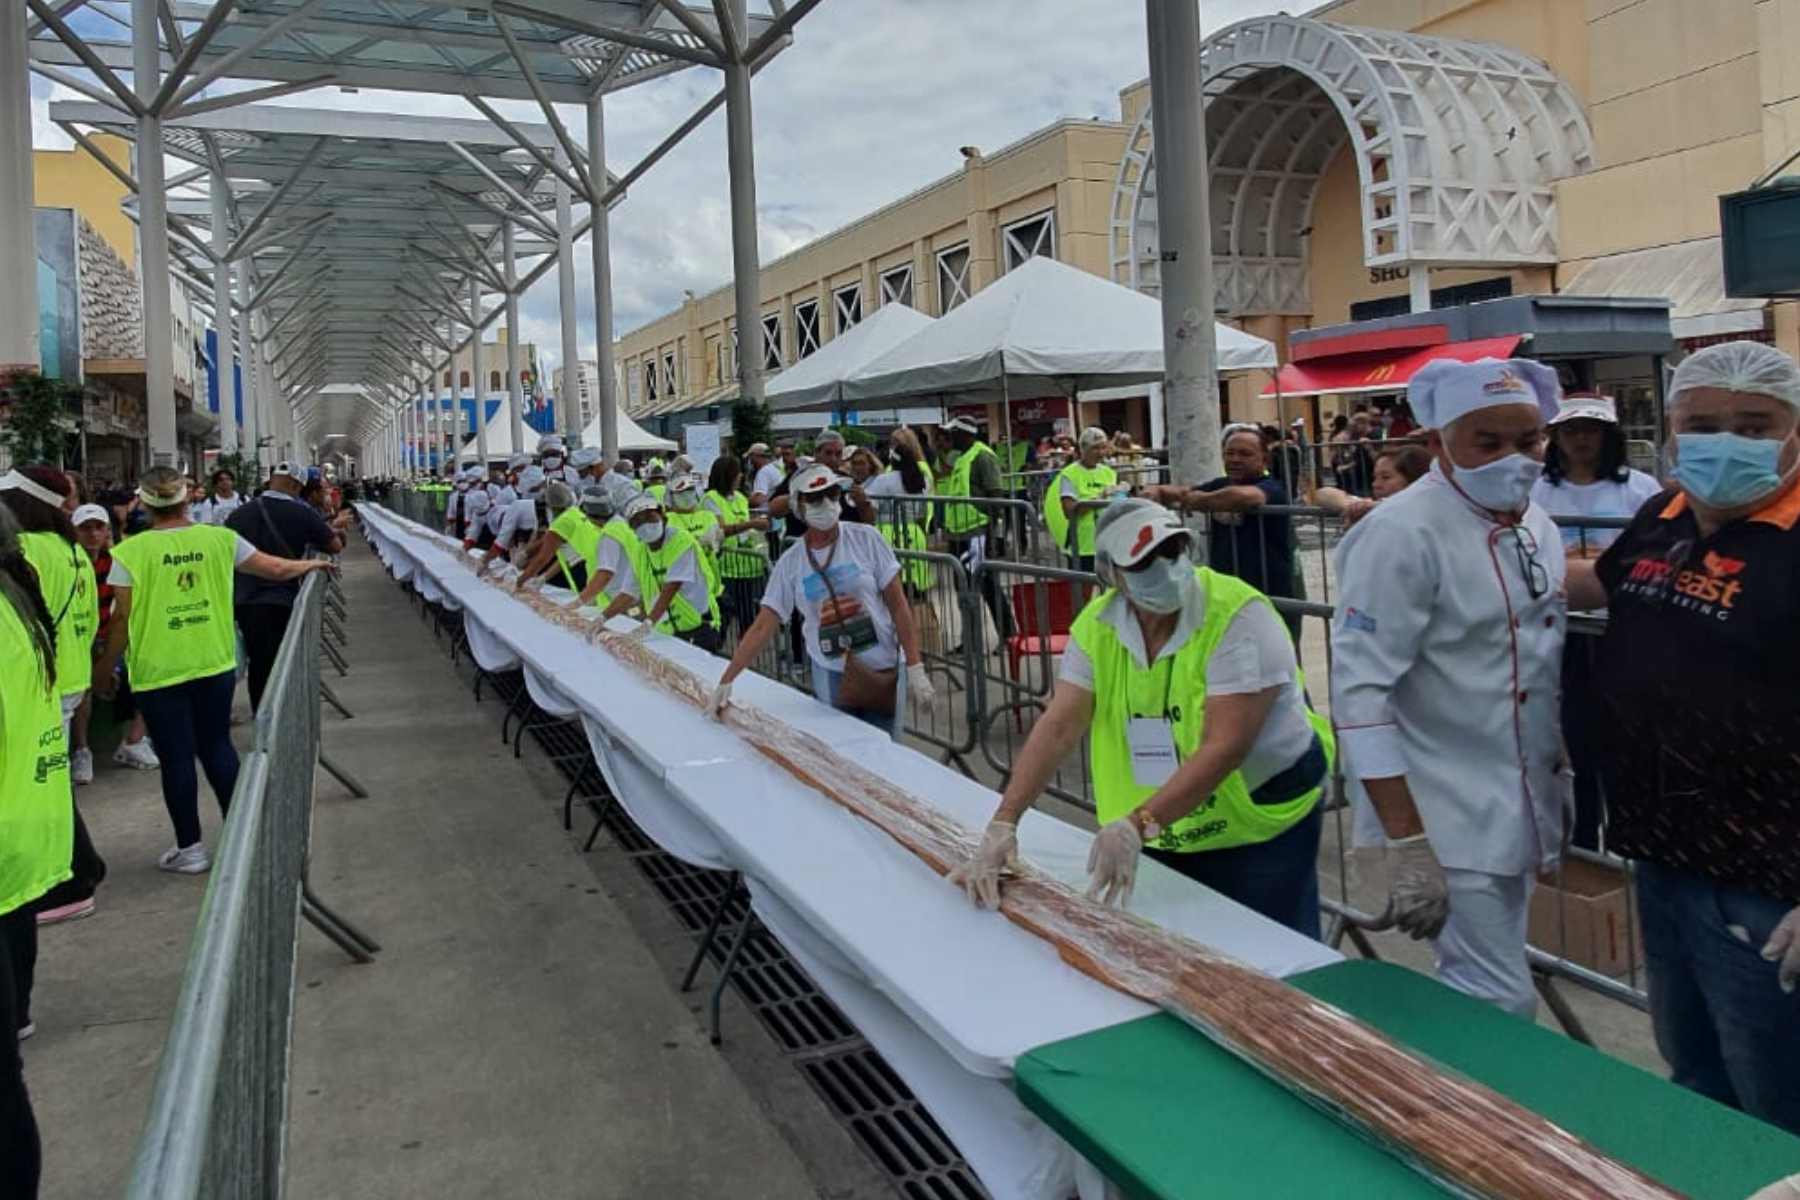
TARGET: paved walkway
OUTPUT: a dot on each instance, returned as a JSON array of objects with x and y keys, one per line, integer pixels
[{"x": 515, "y": 1037}]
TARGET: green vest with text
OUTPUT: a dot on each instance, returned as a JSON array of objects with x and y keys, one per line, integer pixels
[
  {"x": 894, "y": 519},
  {"x": 1091, "y": 483},
  {"x": 66, "y": 582},
  {"x": 36, "y": 823},
  {"x": 961, "y": 520},
  {"x": 580, "y": 540},
  {"x": 681, "y": 616},
  {"x": 1123, "y": 690},
  {"x": 180, "y": 625},
  {"x": 738, "y": 558},
  {"x": 695, "y": 524}
]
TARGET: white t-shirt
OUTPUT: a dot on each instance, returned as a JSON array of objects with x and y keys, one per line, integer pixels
[
  {"x": 1255, "y": 654},
  {"x": 891, "y": 484},
  {"x": 215, "y": 510},
  {"x": 119, "y": 576},
  {"x": 1605, "y": 498},
  {"x": 767, "y": 480},
  {"x": 861, "y": 564}
]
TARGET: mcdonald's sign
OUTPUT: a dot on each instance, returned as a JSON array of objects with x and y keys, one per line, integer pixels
[{"x": 1380, "y": 374}]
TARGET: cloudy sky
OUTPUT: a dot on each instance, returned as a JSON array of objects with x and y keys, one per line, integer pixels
[{"x": 872, "y": 101}]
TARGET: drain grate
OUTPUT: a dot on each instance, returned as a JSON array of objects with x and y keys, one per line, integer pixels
[{"x": 849, "y": 1076}]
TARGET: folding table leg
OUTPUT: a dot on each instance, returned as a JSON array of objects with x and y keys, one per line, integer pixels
[
  {"x": 712, "y": 929},
  {"x": 725, "y": 969}
]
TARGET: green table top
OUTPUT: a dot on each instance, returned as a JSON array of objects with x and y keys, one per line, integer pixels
[{"x": 1166, "y": 1115}]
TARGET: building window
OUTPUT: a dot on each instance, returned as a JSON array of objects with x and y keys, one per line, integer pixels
[
  {"x": 806, "y": 328},
  {"x": 953, "y": 277},
  {"x": 1030, "y": 238},
  {"x": 717, "y": 359},
  {"x": 771, "y": 327},
  {"x": 650, "y": 392},
  {"x": 670, "y": 386},
  {"x": 462, "y": 380},
  {"x": 735, "y": 368},
  {"x": 896, "y": 285},
  {"x": 846, "y": 303},
  {"x": 637, "y": 391},
  {"x": 494, "y": 383},
  {"x": 446, "y": 379}
]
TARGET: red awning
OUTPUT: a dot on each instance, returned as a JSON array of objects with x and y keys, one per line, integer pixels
[{"x": 1378, "y": 370}]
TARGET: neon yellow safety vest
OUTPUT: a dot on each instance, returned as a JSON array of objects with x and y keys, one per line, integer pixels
[
  {"x": 738, "y": 558},
  {"x": 66, "y": 582},
  {"x": 695, "y": 524},
  {"x": 579, "y": 539},
  {"x": 656, "y": 489},
  {"x": 1091, "y": 483},
  {"x": 1122, "y": 690},
  {"x": 37, "y": 826},
  {"x": 180, "y": 623},
  {"x": 632, "y": 550},
  {"x": 681, "y": 616},
  {"x": 963, "y": 519},
  {"x": 903, "y": 534}
]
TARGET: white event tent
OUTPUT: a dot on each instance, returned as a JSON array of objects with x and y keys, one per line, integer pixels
[
  {"x": 816, "y": 381},
  {"x": 499, "y": 441},
  {"x": 633, "y": 438}
]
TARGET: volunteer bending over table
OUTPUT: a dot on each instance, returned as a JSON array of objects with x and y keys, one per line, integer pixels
[
  {"x": 668, "y": 581},
  {"x": 1698, "y": 731},
  {"x": 845, "y": 581},
  {"x": 567, "y": 544},
  {"x": 1201, "y": 743}
]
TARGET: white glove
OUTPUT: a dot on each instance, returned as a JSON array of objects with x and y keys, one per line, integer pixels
[
  {"x": 534, "y": 584},
  {"x": 1781, "y": 1189},
  {"x": 1113, "y": 862},
  {"x": 1783, "y": 947},
  {"x": 997, "y": 855},
  {"x": 640, "y": 632},
  {"x": 713, "y": 538},
  {"x": 716, "y": 700},
  {"x": 918, "y": 686},
  {"x": 1418, "y": 895}
]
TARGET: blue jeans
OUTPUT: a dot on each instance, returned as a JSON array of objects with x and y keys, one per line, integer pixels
[
  {"x": 1722, "y": 1022},
  {"x": 1278, "y": 878},
  {"x": 825, "y": 686},
  {"x": 188, "y": 721}
]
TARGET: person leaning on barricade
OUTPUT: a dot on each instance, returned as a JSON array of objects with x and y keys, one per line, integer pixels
[
  {"x": 1447, "y": 647},
  {"x": 744, "y": 556},
  {"x": 1396, "y": 469},
  {"x": 1202, "y": 748},
  {"x": 171, "y": 604},
  {"x": 1697, "y": 730},
  {"x": 844, "y": 581}
]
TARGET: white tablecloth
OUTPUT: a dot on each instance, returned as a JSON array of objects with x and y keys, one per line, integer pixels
[{"x": 949, "y": 995}]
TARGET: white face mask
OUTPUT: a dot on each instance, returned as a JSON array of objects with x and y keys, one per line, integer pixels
[
  {"x": 822, "y": 517},
  {"x": 650, "y": 532},
  {"x": 684, "y": 501},
  {"x": 1162, "y": 587},
  {"x": 1503, "y": 485}
]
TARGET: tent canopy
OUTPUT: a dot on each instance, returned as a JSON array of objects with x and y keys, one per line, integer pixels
[
  {"x": 633, "y": 438},
  {"x": 815, "y": 382},
  {"x": 1044, "y": 327},
  {"x": 499, "y": 440}
]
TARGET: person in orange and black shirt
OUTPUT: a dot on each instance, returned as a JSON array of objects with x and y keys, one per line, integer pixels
[{"x": 1699, "y": 728}]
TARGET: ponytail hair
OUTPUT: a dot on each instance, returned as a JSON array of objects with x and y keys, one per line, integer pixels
[{"x": 19, "y": 590}]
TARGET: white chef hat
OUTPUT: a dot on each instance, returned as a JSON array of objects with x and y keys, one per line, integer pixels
[
  {"x": 1443, "y": 390},
  {"x": 1749, "y": 367},
  {"x": 587, "y": 456}
]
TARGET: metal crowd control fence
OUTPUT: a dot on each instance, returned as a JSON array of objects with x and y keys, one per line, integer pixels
[{"x": 218, "y": 1117}]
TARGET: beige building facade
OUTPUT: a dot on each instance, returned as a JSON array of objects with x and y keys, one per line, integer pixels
[{"x": 1369, "y": 156}]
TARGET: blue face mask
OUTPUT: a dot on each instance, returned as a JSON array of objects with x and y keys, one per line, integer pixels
[{"x": 1726, "y": 470}]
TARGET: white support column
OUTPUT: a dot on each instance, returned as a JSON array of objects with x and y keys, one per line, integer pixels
[
  {"x": 565, "y": 285},
  {"x": 1191, "y": 378},
  {"x": 153, "y": 240},
  {"x": 223, "y": 358},
  {"x": 746, "y": 263},
  {"x": 18, "y": 240},
  {"x": 515, "y": 404},
  {"x": 253, "y": 426},
  {"x": 600, "y": 242},
  {"x": 1419, "y": 285},
  {"x": 477, "y": 385}
]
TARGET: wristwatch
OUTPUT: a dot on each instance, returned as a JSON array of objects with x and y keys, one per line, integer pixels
[{"x": 1148, "y": 827}]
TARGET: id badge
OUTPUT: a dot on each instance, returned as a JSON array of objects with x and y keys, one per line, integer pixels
[{"x": 1151, "y": 741}]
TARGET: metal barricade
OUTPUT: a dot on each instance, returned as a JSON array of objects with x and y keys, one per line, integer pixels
[{"x": 218, "y": 1116}]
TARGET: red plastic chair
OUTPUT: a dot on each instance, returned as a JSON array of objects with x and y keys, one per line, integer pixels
[{"x": 1042, "y": 615}]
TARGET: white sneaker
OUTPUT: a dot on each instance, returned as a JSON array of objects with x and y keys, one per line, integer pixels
[
  {"x": 81, "y": 765},
  {"x": 137, "y": 755},
  {"x": 185, "y": 860}
]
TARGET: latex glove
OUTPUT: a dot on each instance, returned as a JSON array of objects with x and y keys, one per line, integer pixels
[
  {"x": 997, "y": 855},
  {"x": 716, "y": 700},
  {"x": 918, "y": 686},
  {"x": 1784, "y": 947},
  {"x": 1418, "y": 895},
  {"x": 534, "y": 584},
  {"x": 1781, "y": 1189},
  {"x": 640, "y": 632},
  {"x": 1113, "y": 862}
]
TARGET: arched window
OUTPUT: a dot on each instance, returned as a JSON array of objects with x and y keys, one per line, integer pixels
[
  {"x": 462, "y": 380},
  {"x": 494, "y": 384},
  {"x": 446, "y": 379}
]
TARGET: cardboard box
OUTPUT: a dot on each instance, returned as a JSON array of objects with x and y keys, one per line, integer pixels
[{"x": 1583, "y": 917}]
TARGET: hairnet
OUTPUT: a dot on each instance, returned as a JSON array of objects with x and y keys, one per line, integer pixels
[
  {"x": 559, "y": 496},
  {"x": 598, "y": 502},
  {"x": 1748, "y": 367}
]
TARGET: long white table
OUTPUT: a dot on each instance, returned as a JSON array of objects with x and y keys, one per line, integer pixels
[{"x": 949, "y": 995}]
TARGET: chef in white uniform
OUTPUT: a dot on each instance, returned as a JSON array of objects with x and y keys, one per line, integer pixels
[
  {"x": 501, "y": 494},
  {"x": 1447, "y": 655},
  {"x": 553, "y": 457},
  {"x": 519, "y": 521}
]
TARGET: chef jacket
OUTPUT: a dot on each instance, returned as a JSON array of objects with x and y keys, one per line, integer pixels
[{"x": 1447, "y": 655}]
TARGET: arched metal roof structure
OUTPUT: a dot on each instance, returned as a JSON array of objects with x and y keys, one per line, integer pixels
[{"x": 1457, "y": 146}]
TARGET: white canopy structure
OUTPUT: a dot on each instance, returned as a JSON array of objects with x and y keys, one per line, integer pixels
[
  {"x": 500, "y": 444},
  {"x": 633, "y": 438},
  {"x": 1043, "y": 327},
  {"x": 816, "y": 382}
]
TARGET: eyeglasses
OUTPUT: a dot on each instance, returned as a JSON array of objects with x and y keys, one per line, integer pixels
[
  {"x": 1525, "y": 547},
  {"x": 828, "y": 496}
]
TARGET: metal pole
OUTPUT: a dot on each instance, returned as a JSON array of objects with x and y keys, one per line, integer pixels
[
  {"x": 19, "y": 346},
  {"x": 253, "y": 427},
  {"x": 746, "y": 265},
  {"x": 1185, "y": 236},
  {"x": 478, "y": 387},
  {"x": 153, "y": 241},
  {"x": 565, "y": 286},
  {"x": 600, "y": 242},
  {"x": 515, "y": 406},
  {"x": 223, "y": 358}
]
